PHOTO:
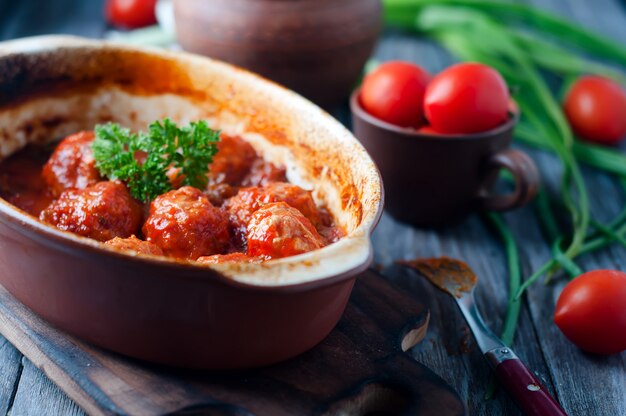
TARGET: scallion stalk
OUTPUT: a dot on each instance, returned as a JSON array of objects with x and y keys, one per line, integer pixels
[{"x": 514, "y": 305}]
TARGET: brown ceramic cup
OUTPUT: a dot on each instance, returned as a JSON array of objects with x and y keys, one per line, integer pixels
[{"x": 437, "y": 180}]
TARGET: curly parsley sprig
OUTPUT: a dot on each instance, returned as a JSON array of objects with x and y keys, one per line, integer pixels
[{"x": 142, "y": 160}]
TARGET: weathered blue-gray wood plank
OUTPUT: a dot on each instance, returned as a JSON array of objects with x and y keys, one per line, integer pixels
[
  {"x": 37, "y": 395},
  {"x": 38, "y": 17},
  {"x": 10, "y": 372}
]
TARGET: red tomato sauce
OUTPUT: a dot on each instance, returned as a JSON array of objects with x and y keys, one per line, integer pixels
[{"x": 248, "y": 212}]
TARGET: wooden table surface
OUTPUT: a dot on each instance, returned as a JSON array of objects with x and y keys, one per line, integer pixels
[{"x": 585, "y": 384}]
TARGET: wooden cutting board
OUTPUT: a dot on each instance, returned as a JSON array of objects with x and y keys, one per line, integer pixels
[{"x": 360, "y": 368}]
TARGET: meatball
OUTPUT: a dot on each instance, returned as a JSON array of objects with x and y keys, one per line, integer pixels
[
  {"x": 227, "y": 258},
  {"x": 263, "y": 173},
  {"x": 102, "y": 211},
  {"x": 175, "y": 177},
  {"x": 132, "y": 243},
  {"x": 248, "y": 200},
  {"x": 71, "y": 165},
  {"x": 277, "y": 230},
  {"x": 184, "y": 224},
  {"x": 232, "y": 162},
  {"x": 295, "y": 196},
  {"x": 218, "y": 193}
]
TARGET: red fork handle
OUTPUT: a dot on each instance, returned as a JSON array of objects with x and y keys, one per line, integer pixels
[{"x": 524, "y": 388}]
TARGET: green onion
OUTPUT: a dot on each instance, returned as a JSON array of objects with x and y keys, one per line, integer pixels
[
  {"x": 515, "y": 277},
  {"x": 546, "y": 216},
  {"x": 609, "y": 233},
  {"x": 513, "y": 264},
  {"x": 552, "y": 57},
  {"x": 397, "y": 14},
  {"x": 566, "y": 263},
  {"x": 600, "y": 157},
  {"x": 617, "y": 229}
]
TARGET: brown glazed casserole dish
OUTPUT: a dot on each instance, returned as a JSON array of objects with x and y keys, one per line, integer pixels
[{"x": 178, "y": 312}]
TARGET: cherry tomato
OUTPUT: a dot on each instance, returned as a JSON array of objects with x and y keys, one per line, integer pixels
[
  {"x": 596, "y": 109},
  {"x": 427, "y": 130},
  {"x": 394, "y": 92},
  {"x": 466, "y": 98},
  {"x": 591, "y": 311},
  {"x": 131, "y": 14}
]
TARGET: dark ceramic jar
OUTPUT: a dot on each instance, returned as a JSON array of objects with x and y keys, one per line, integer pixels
[{"x": 315, "y": 47}]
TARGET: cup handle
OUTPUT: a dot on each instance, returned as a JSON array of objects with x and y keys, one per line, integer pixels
[{"x": 526, "y": 180}]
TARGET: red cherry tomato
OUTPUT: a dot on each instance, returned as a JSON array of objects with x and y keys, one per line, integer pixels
[
  {"x": 596, "y": 109},
  {"x": 591, "y": 311},
  {"x": 428, "y": 130},
  {"x": 131, "y": 14},
  {"x": 394, "y": 92},
  {"x": 466, "y": 98}
]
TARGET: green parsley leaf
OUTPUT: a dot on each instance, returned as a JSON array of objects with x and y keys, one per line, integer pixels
[{"x": 142, "y": 160}]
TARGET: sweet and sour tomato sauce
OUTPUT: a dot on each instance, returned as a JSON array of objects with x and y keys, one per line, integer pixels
[{"x": 248, "y": 212}]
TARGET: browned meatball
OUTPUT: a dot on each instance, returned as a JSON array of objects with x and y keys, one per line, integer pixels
[
  {"x": 184, "y": 224},
  {"x": 232, "y": 162},
  {"x": 227, "y": 258},
  {"x": 218, "y": 193},
  {"x": 277, "y": 230},
  {"x": 248, "y": 200},
  {"x": 263, "y": 173},
  {"x": 231, "y": 165},
  {"x": 102, "y": 211},
  {"x": 71, "y": 165},
  {"x": 132, "y": 243}
]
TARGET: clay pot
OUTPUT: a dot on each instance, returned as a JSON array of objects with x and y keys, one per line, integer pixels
[{"x": 315, "y": 47}]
